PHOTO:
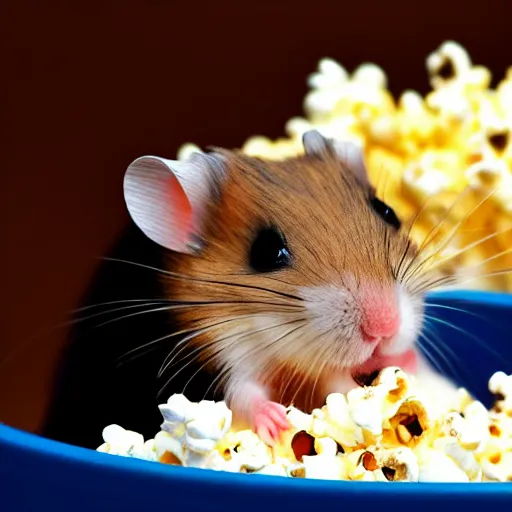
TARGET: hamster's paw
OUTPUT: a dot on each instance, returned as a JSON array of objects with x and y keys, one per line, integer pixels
[{"x": 269, "y": 420}]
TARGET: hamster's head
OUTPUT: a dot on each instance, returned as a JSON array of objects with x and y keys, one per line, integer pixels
[{"x": 293, "y": 264}]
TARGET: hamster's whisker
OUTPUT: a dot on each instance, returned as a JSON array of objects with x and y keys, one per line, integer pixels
[
  {"x": 175, "y": 275},
  {"x": 472, "y": 245},
  {"x": 216, "y": 382},
  {"x": 440, "y": 342},
  {"x": 222, "y": 348},
  {"x": 397, "y": 271},
  {"x": 114, "y": 310},
  {"x": 196, "y": 332},
  {"x": 492, "y": 258},
  {"x": 471, "y": 313},
  {"x": 178, "y": 333},
  {"x": 287, "y": 308},
  {"x": 442, "y": 306},
  {"x": 431, "y": 234},
  {"x": 224, "y": 370},
  {"x": 297, "y": 368},
  {"x": 315, "y": 383},
  {"x": 471, "y": 336},
  {"x": 274, "y": 347},
  {"x": 112, "y": 302},
  {"x": 481, "y": 262},
  {"x": 432, "y": 349},
  {"x": 446, "y": 240},
  {"x": 417, "y": 266},
  {"x": 223, "y": 374},
  {"x": 457, "y": 280}
]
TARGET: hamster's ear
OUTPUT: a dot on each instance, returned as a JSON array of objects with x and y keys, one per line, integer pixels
[
  {"x": 351, "y": 156},
  {"x": 168, "y": 199}
]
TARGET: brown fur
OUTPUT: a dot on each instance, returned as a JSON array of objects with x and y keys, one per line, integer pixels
[{"x": 329, "y": 225}]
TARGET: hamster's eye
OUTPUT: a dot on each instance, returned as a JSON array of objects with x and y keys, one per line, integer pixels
[
  {"x": 269, "y": 251},
  {"x": 385, "y": 212}
]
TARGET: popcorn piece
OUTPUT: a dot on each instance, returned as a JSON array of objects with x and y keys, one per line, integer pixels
[
  {"x": 200, "y": 426},
  {"x": 451, "y": 63},
  {"x": 326, "y": 446},
  {"x": 324, "y": 467},
  {"x": 397, "y": 464},
  {"x": 118, "y": 441},
  {"x": 492, "y": 175},
  {"x": 322, "y": 462},
  {"x": 187, "y": 150},
  {"x": 371, "y": 407},
  {"x": 435, "y": 466},
  {"x": 296, "y": 470},
  {"x": 463, "y": 458},
  {"x": 272, "y": 469},
  {"x": 299, "y": 420},
  {"x": 362, "y": 465},
  {"x": 462, "y": 399},
  {"x": 303, "y": 444},
  {"x": 448, "y": 63},
  {"x": 498, "y": 466},
  {"x": 371, "y": 75},
  {"x": 409, "y": 423},
  {"x": 500, "y": 385},
  {"x": 250, "y": 451},
  {"x": 168, "y": 449},
  {"x": 379, "y": 464},
  {"x": 330, "y": 75},
  {"x": 339, "y": 424}
]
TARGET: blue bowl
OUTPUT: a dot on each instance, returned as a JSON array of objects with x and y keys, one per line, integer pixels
[{"x": 37, "y": 473}]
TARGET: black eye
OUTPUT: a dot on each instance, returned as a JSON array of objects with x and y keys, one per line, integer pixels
[
  {"x": 385, "y": 212},
  {"x": 269, "y": 251}
]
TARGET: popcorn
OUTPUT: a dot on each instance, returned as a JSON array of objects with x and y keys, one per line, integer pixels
[
  {"x": 500, "y": 385},
  {"x": 435, "y": 466},
  {"x": 187, "y": 150},
  {"x": 191, "y": 431},
  {"x": 251, "y": 453},
  {"x": 421, "y": 148},
  {"x": 380, "y": 432},
  {"x": 379, "y": 464},
  {"x": 371, "y": 407},
  {"x": 324, "y": 467},
  {"x": 127, "y": 443}
]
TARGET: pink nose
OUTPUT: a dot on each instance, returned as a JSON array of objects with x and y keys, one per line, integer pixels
[{"x": 379, "y": 324}]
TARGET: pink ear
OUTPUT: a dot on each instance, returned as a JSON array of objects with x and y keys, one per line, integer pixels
[{"x": 167, "y": 199}]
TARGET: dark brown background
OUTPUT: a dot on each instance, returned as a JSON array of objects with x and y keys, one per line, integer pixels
[{"x": 87, "y": 86}]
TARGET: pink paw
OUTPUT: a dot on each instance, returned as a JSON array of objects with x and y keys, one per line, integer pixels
[{"x": 269, "y": 420}]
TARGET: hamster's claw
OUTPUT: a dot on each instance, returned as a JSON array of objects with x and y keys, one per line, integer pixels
[{"x": 269, "y": 420}]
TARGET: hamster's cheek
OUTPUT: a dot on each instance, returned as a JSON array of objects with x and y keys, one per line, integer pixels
[{"x": 411, "y": 320}]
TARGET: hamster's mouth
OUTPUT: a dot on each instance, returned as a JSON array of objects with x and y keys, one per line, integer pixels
[{"x": 365, "y": 373}]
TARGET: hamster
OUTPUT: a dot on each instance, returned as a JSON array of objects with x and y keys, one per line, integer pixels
[{"x": 273, "y": 283}]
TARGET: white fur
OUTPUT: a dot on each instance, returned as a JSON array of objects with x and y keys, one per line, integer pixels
[
  {"x": 326, "y": 306},
  {"x": 327, "y": 333},
  {"x": 411, "y": 320}
]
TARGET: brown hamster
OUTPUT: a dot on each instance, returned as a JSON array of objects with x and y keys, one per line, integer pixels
[{"x": 294, "y": 274}]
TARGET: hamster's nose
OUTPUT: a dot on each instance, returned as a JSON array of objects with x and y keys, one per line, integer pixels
[{"x": 380, "y": 323}]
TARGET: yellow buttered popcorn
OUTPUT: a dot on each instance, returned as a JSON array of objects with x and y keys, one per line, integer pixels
[
  {"x": 118, "y": 441},
  {"x": 380, "y": 432},
  {"x": 447, "y": 154}
]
